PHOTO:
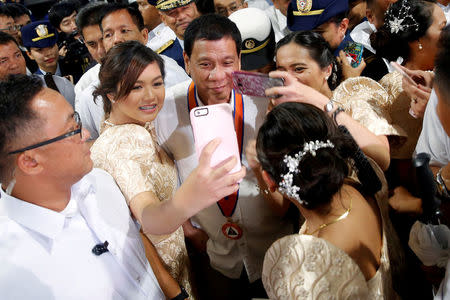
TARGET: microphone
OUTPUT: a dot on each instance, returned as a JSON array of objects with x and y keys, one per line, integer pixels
[{"x": 101, "y": 248}]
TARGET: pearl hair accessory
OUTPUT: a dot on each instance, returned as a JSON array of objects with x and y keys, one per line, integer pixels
[
  {"x": 396, "y": 22},
  {"x": 286, "y": 186}
]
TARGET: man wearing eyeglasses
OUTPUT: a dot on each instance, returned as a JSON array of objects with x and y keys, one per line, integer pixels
[
  {"x": 65, "y": 228},
  {"x": 7, "y": 22}
]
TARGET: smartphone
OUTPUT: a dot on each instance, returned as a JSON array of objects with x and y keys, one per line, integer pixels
[
  {"x": 397, "y": 68},
  {"x": 354, "y": 52},
  {"x": 216, "y": 121},
  {"x": 253, "y": 83}
]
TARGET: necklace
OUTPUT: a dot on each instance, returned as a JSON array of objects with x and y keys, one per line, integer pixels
[{"x": 341, "y": 217}]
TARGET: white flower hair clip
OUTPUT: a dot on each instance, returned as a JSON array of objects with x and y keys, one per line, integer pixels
[
  {"x": 286, "y": 185},
  {"x": 396, "y": 23}
]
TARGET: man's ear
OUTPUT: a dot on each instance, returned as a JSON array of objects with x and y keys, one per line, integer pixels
[
  {"x": 144, "y": 33},
  {"x": 271, "y": 184},
  {"x": 28, "y": 163},
  {"x": 162, "y": 17},
  {"x": 187, "y": 63}
]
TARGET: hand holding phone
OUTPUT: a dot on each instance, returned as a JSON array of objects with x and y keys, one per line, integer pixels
[
  {"x": 399, "y": 69},
  {"x": 253, "y": 83},
  {"x": 354, "y": 51}
]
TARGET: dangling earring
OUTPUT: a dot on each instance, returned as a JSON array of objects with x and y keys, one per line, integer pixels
[
  {"x": 420, "y": 46},
  {"x": 113, "y": 101}
]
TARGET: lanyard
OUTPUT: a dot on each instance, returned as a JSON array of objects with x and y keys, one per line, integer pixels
[{"x": 228, "y": 204}]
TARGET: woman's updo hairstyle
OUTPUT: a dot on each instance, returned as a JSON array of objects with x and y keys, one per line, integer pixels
[
  {"x": 319, "y": 50},
  {"x": 285, "y": 131},
  {"x": 121, "y": 68},
  {"x": 405, "y": 21}
]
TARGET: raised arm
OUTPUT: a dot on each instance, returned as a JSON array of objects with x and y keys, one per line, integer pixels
[{"x": 377, "y": 147}]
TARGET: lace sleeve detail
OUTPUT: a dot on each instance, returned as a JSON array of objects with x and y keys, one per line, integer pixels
[
  {"x": 305, "y": 267},
  {"x": 127, "y": 152},
  {"x": 366, "y": 101}
]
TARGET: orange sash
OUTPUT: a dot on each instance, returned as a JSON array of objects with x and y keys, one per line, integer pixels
[{"x": 228, "y": 204}]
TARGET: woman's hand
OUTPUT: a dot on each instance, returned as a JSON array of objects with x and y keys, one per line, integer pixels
[
  {"x": 295, "y": 91},
  {"x": 347, "y": 70},
  {"x": 418, "y": 91},
  {"x": 206, "y": 185}
]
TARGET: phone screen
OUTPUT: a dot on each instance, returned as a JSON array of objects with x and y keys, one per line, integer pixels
[{"x": 254, "y": 84}]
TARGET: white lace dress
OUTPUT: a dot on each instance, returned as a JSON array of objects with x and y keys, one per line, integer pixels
[{"x": 306, "y": 267}]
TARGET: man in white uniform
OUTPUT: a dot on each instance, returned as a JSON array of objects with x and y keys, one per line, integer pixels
[
  {"x": 65, "y": 229},
  {"x": 120, "y": 23},
  {"x": 237, "y": 239}
]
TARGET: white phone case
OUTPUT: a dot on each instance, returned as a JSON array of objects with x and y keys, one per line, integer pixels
[{"x": 216, "y": 121}]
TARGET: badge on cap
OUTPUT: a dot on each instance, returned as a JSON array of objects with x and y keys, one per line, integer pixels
[
  {"x": 304, "y": 5},
  {"x": 42, "y": 32},
  {"x": 250, "y": 44}
]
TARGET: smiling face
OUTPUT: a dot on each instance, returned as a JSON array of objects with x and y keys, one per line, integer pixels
[
  {"x": 144, "y": 101},
  {"x": 119, "y": 27},
  {"x": 179, "y": 18},
  {"x": 46, "y": 58},
  {"x": 210, "y": 66},
  {"x": 296, "y": 60}
]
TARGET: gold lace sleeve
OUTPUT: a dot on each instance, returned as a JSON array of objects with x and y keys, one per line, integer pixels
[
  {"x": 127, "y": 152},
  {"x": 366, "y": 101}
]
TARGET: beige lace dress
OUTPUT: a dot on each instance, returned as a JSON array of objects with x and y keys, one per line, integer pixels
[
  {"x": 306, "y": 267},
  {"x": 398, "y": 107},
  {"x": 130, "y": 154}
]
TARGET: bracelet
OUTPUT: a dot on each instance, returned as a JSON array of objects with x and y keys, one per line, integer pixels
[
  {"x": 182, "y": 295},
  {"x": 441, "y": 185},
  {"x": 336, "y": 112}
]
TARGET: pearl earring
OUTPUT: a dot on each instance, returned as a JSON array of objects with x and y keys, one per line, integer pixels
[
  {"x": 113, "y": 101},
  {"x": 420, "y": 46}
]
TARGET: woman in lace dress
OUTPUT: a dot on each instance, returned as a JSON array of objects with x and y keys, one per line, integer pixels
[
  {"x": 341, "y": 251},
  {"x": 409, "y": 35},
  {"x": 307, "y": 56},
  {"x": 132, "y": 88}
]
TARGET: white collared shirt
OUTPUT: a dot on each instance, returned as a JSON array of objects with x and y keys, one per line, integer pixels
[
  {"x": 279, "y": 22},
  {"x": 253, "y": 214},
  {"x": 46, "y": 254},
  {"x": 433, "y": 139}
]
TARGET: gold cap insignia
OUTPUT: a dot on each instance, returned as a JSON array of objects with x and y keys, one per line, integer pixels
[
  {"x": 249, "y": 44},
  {"x": 42, "y": 32},
  {"x": 304, "y": 5}
]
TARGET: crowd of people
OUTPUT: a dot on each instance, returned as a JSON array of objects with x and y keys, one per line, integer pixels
[{"x": 103, "y": 194}]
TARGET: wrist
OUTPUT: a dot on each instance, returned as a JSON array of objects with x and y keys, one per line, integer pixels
[{"x": 182, "y": 295}]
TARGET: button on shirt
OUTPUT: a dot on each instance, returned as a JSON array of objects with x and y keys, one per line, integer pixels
[
  {"x": 253, "y": 214},
  {"x": 48, "y": 255}
]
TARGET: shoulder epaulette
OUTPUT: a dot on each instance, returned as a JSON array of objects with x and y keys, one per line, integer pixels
[{"x": 165, "y": 46}]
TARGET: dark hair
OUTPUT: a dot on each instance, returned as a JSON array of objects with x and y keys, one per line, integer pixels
[
  {"x": 390, "y": 44},
  {"x": 211, "y": 27},
  {"x": 17, "y": 10},
  {"x": 60, "y": 10},
  {"x": 90, "y": 15},
  {"x": 319, "y": 50},
  {"x": 121, "y": 67},
  {"x": 131, "y": 9},
  {"x": 5, "y": 11},
  {"x": 16, "y": 93},
  {"x": 442, "y": 65},
  {"x": 337, "y": 19},
  {"x": 6, "y": 38},
  {"x": 286, "y": 129}
]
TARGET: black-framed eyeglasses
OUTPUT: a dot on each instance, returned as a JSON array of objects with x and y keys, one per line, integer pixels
[
  {"x": 77, "y": 119},
  {"x": 11, "y": 28}
]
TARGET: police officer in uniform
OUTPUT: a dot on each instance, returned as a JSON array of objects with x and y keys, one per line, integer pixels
[{"x": 177, "y": 15}]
